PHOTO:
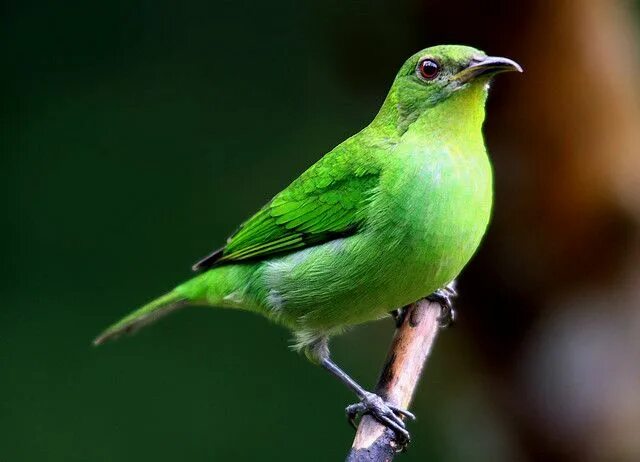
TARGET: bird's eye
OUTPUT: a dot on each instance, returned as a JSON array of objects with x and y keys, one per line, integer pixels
[{"x": 429, "y": 69}]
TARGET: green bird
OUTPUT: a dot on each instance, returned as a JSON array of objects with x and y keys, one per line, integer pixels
[{"x": 389, "y": 216}]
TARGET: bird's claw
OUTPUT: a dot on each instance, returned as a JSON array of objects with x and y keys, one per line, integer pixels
[
  {"x": 445, "y": 298},
  {"x": 399, "y": 316},
  {"x": 385, "y": 413}
]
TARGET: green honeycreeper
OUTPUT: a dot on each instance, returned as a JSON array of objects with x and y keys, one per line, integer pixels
[{"x": 389, "y": 216}]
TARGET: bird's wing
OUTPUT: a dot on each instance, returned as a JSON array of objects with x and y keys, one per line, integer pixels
[{"x": 324, "y": 203}]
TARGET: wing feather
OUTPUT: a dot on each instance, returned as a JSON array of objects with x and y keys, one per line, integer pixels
[{"x": 326, "y": 202}]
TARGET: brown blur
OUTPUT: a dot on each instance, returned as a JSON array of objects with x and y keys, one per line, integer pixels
[{"x": 552, "y": 301}]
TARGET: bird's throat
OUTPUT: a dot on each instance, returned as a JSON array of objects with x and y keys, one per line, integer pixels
[{"x": 460, "y": 115}]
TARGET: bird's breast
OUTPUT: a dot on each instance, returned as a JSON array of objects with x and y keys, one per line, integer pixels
[{"x": 438, "y": 207}]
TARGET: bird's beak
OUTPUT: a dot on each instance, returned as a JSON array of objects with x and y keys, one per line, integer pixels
[{"x": 486, "y": 66}]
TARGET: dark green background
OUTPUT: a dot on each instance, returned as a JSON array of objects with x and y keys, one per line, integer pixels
[{"x": 135, "y": 136}]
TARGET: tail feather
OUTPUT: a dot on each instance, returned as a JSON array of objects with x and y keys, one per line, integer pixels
[
  {"x": 215, "y": 287},
  {"x": 147, "y": 314}
]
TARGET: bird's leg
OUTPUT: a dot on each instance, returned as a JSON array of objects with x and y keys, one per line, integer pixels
[
  {"x": 445, "y": 298},
  {"x": 370, "y": 403}
]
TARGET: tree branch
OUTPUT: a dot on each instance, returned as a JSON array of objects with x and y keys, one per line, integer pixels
[{"x": 408, "y": 353}]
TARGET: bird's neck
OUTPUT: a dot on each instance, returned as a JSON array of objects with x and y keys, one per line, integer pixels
[
  {"x": 459, "y": 117},
  {"x": 461, "y": 114}
]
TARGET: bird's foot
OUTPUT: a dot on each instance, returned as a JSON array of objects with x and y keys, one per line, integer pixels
[
  {"x": 399, "y": 316},
  {"x": 445, "y": 298},
  {"x": 385, "y": 413}
]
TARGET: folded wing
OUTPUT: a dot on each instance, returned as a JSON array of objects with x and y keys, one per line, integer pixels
[{"x": 326, "y": 202}]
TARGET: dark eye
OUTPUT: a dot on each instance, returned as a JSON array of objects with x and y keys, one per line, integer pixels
[{"x": 429, "y": 69}]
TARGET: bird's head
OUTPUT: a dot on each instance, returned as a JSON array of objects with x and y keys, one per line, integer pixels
[{"x": 437, "y": 74}]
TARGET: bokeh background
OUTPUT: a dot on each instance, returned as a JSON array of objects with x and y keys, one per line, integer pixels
[{"x": 135, "y": 135}]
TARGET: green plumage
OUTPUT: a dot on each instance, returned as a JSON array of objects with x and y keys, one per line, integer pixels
[{"x": 387, "y": 217}]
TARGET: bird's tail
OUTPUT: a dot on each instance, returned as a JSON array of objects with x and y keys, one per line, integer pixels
[
  {"x": 210, "y": 288},
  {"x": 141, "y": 317}
]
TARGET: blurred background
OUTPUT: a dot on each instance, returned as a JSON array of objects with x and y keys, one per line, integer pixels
[{"x": 136, "y": 135}]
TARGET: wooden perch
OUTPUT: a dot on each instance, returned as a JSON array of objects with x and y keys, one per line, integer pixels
[{"x": 408, "y": 353}]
